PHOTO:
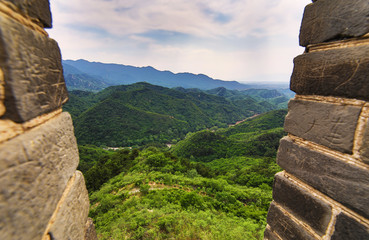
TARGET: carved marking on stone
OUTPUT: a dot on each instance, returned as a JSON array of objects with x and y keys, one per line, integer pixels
[
  {"x": 7, "y": 10},
  {"x": 33, "y": 72}
]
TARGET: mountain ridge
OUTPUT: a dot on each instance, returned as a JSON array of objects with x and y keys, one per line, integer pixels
[{"x": 118, "y": 74}]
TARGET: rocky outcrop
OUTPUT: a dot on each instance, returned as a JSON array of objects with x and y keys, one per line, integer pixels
[
  {"x": 42, "y": 196},
  {"x": 323, "y": 191}
]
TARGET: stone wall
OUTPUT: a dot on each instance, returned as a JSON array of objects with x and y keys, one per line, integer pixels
[
  {"x": 323, "y": 192},
  {"x": 42, "y": 196}
]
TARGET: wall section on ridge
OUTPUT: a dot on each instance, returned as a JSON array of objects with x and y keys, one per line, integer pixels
[
  {"x": 42, "y": 195},
  {"x": 323, "y": 191}
]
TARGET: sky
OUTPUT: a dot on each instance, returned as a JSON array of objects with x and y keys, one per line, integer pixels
[{"x": 241, "y": 40}]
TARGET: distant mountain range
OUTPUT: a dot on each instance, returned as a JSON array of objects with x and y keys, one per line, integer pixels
[{"x": 95, "y": 76}]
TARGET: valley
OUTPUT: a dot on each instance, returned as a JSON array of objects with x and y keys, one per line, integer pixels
[{"x": 176, "y": 163}]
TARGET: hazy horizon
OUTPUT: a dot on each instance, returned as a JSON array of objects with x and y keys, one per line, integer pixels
[{"x": 246, "y": 41}]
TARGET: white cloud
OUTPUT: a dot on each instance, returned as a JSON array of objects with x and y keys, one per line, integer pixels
[{"x": 219, "y": 38}]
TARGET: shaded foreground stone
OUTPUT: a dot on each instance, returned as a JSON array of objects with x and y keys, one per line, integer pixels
[
  {"x": 33, "y": 74},
  {"x": 338, "y": 72},
  {"x": 71, "y": 215},
  {"x": 313, "y": 211},
  {"x": 328, "y": 20},
  {"x": 39, "y": 9},
  {"x": 330, "y": 175},
  {"x": 285, "y": 226},
  {"x": 90, "y": 230},
  {"x": 348, "y": 228},
  {"x": 269, "y": 235},
  {"x": 35, "y": 168},
  {"x": 327, "y": 124}
]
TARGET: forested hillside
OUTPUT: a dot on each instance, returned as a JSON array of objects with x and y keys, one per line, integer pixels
[
  {"x": 141, "y": 113},
  {"x": 182, "y": 193}
]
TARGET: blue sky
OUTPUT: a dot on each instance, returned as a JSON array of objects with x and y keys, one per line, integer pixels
[{"x": 242, "y": 40}]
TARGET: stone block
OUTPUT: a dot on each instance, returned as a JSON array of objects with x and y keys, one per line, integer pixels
[
  {"x": 71, "y": 215},
  {"x": 345, "y": 182},
  {"x": 39, "y": 9},
  {"x": 284, "y": 226},
  {"x": 2, "y": 93},
  {"x": 348, "y": 228},
  {"x": 340, "y": 72},
  {"x": 327, "y": 20},
  {"x": 90, "y": 233},
  {"x": 269, "y": 235},
  {"x": 364, "y": 149},
  {"x": 302, "y": 204},
  {"x": 35, "y": 169},
  {"x": 33, "y": 74},
  {"x": 327, "y": 124}
]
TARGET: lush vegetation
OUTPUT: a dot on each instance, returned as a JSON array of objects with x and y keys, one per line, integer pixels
[
  {"x": 184, "y": 192},
  {"x": 257, "y": 136},
  {"x": 141, "y": 113},
  {"x": 156, "y": 195}
]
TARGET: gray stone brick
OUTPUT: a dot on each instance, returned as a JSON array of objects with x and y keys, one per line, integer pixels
[
  {"x": 348, "y": 228},
  {"x": 327, "y": 124},
  {"x": 302, "y": 204},
  {"x": 39, "y": 9},
  {"x": 35, "y": 168},
  {"x": 336, "y": 72},
  {"x": 33, "y": 74},
  {"x": 284, "y": 226},
  {"x": 327, "y": 20},
  {"x": 72, "y": 215},
  {"x": 344, "y": 182}
]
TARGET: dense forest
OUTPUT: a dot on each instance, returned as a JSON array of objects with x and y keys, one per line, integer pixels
[
  {"x": 213, "y": 184},
  {"x": 141, "y": 113}
]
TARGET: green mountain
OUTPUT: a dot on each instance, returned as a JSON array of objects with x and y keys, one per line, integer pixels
[
  {"x": 258, "y": 136},
  {"x": 140, "y": 113},
  {"x": 212, "y": 185}
]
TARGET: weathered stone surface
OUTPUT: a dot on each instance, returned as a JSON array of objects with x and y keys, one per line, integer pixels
[
  {"x": 336, "y": 72},
  {"x": 348, "y": 228},
  {"x": 269, "y": 235},
  {"x": 364, "y": 149},
  {"x": 71, "y": 216},
  {"x": 31, "y": 62},
  {"x": 302, "y": 204},
  {"x": 284, "y": 226},
  {"x": 39, "y": 9},
  {"x": 2, "y": 93},
  {"x": 35, "y": 168},
  {"x": 90, "y": 230},
  {"x": 327, "y": 124},
  {"x": 328, "y": 20},
  {"x": 344, "y": 182}
]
